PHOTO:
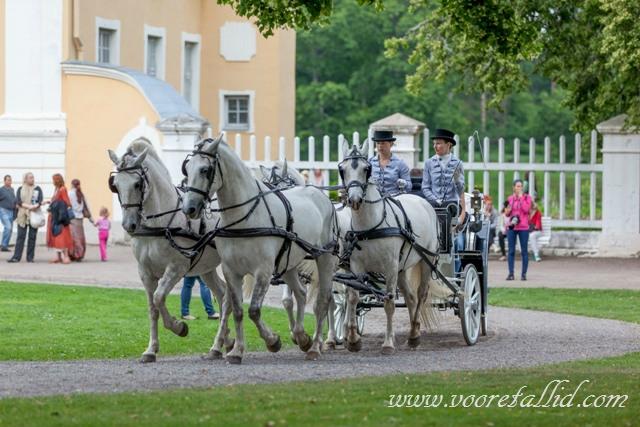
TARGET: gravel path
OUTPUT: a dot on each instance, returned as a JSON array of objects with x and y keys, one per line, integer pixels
[{"x": 517, "y": 338}]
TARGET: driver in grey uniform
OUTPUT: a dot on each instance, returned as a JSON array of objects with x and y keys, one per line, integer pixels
[{"x": 443, "y": 180}]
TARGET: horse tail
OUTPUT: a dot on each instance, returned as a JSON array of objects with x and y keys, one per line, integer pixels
[{"x": 248, "y": 283}]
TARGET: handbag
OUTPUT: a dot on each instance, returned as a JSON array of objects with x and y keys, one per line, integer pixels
[
  {"x": 70, "y": 214},
  {"x": 37, "y": 218}
]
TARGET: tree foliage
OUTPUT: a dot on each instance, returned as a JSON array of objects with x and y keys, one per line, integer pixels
[
  {"x": 345, "y": 82},
  {"x": 588, "y": 47}
]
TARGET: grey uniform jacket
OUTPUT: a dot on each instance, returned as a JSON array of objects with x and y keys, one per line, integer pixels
[
  {"x": 388, "y": 177},
  {"x": 441, "y": 185}
]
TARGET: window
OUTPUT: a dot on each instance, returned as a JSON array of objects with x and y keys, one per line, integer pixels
[
  {"x": 154, "y": 51},
  {"x": 105, "y": 41},
  {"x": 190, "y": 51},
  {"x": 153, "y": 48},
  {"x": 236, "y": 112}
]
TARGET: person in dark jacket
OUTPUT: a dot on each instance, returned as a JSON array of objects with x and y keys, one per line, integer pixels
[{"x": 7, "y": 209}]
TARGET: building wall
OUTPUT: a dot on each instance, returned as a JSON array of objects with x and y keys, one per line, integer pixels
[
  {"x": 2, "y": 54},
  {"x": 87, "y": 98},
  {"x": 270, "y": 74}
]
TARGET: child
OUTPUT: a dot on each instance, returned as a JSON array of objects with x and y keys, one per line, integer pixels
[{"x": 104, "y": 225}]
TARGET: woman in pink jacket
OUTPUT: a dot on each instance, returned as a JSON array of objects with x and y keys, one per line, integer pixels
[{"x": 518, "y": 227}]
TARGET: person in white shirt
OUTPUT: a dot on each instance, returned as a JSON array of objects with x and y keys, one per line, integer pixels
[{"x": 80, "y": 211}]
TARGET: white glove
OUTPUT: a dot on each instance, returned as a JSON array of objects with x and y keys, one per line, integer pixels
[{"x": 401, "y": 184}]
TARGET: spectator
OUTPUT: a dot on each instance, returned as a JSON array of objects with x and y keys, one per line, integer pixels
[
  {"x": 104, "y": 225},
  {"x": 535, "y": 229},
  {"x": 80, "y": 212},
  {"x": 305, "y": 175},
  {"x": 503, "y": 219},
  {"x": 490, "y": 214},
  {"x": 318, "y": 178},
  {"x": 29, "y": 199},
  {"x": 518, "y": 227},
  {"x": 205, "y": 294},
  {"x": 58, "y": 232},
  {"x": 7, "y": 209}
]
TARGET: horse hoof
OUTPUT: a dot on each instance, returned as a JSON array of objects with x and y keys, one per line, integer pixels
[
  {"x": 229, "y": 346},
  {"x": 312, "y": 355},
  {"x": 413, "y": 342},
  {"x": 212, "y": 355},
  {"x": 354, "y": 346},
  {"x": 148, "y": 358},
  {"x": 184, "y": 330},
  {"x": 234, "y": 360},
  {"x": 330, "y": 345},
  {"x": 276, "y": 346},
  {"x": 388, "y": 351},
  {"x": 307, "y": 344}
]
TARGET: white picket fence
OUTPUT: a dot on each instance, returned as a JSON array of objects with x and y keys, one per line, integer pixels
[{"x": 527, "y": 168}]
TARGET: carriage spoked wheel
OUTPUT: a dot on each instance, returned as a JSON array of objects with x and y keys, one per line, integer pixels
[
  {"x": 340, "y": 316},
  {"x": 469, "y": 305}
]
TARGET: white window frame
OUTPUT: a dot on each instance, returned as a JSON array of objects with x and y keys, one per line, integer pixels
[
  {"x": 161, "y": 33},
  {"x": 114, "y": 48},
  {"x": 195, "y": 81},
  {"x": 222, "y": 116}
]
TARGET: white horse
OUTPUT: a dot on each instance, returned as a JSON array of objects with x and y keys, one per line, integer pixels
[
  {"x": 281, "y": 175},
  {"x": 249, "y": 215},
  {"x": 391, "y": 256},
  {"x": 144, "y": 189}
]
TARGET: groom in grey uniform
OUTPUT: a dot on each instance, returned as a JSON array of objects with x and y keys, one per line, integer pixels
[{"x": 443, "y": 179}]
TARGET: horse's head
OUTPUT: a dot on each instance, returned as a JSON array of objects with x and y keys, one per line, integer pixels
[
  {"x": 204, "y": 176},
  {"x": 129, "y": 182},
  {"x": 281, "y": 176},
  {"x": 355, "y": 171}
]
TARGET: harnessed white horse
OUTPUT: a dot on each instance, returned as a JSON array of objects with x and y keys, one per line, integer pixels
[
  {"x": 262, "y": 232},
  {"x": 388, "y": 254},
  {"x": 283, "y": 175},
  {"x": 150, "y": 206}
]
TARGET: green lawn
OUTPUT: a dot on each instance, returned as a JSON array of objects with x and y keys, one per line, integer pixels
[
  {"x": 53, "y": 322},
  {"x": 603, "y": 303}
]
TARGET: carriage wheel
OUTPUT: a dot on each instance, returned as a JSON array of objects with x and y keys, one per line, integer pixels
[{"x": 469, "y": 305}]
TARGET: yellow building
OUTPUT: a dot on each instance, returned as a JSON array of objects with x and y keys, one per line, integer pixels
[{"x": 78, "y": 77}]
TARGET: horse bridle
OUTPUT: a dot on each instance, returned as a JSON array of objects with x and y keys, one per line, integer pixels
[
  {"x": 143, "y": 183},
  {"x": 354, "y": 156},
  {"x": 212, "y": 169}
]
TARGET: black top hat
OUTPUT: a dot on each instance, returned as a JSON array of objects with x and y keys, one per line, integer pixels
[
  {"x": 445, "y": 134},
  {"x": 383, "y": 135}
]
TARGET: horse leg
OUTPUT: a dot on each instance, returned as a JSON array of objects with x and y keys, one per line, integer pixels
[
  {"x": 410, "y": 300},
  {"x": 217, "y": 286},
  {"x": 222, "y": 339},
  {"x": 171, "y": 276},
  {"x": 271, "y": 339},
  {"x": 388, "y": 347},
  {"x": 331, "y": 341},
  {"x": 300, "y": 293},
  {"x": 325, "y": 265},
  {"x": 150, "y": 285},
  {"x": 354, "y": 343},
  {"x": 287, "y": 302},
  {"x": 234, "y": 295}
]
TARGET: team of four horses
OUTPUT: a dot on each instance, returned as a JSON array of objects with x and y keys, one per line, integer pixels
[{"x": 280, "y": 230}]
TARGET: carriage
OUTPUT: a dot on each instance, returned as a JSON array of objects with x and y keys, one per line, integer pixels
[{"x": 468, "y": 286}]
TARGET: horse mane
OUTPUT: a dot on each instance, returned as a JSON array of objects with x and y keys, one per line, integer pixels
[{"x": 137, "y": 147}]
